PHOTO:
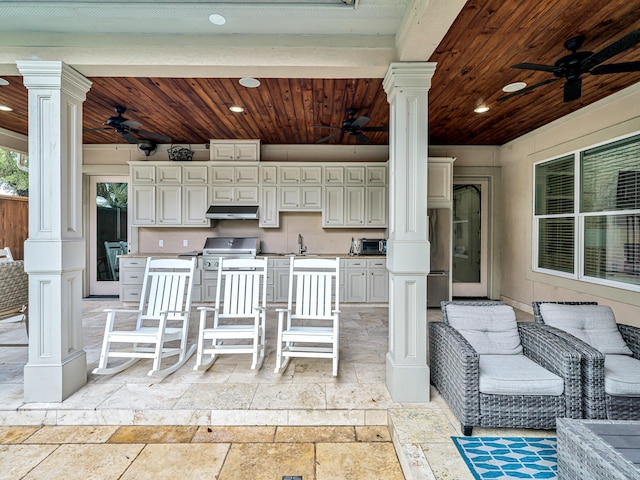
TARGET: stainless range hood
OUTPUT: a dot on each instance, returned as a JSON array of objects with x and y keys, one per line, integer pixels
[{"x": 233, "y": 212}]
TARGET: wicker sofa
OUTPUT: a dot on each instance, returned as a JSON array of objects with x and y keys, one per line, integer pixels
[
  {"x": 597, "y": 403},
  {"x": 14, "y": 295},
  {"x": 456, "y": 373}
]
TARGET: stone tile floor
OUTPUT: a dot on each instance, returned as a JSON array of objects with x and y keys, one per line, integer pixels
[{"x": 214, "y": 409}]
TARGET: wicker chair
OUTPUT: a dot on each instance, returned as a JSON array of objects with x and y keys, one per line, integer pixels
[
  {"x": 14, "y": 296},
  {"x": 597, "y": 404},
  {"x": 455, "y": 372}
]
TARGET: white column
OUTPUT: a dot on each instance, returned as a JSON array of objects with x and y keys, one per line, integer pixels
[
  {"x": 55, "y": 250},
  {"x": 407, "y": 86}
]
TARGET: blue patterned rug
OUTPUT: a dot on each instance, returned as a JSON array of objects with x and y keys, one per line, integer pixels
[{"x": 508, "y": 458}]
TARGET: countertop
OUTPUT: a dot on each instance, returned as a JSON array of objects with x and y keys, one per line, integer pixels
[{"x": 263, "y": 254}]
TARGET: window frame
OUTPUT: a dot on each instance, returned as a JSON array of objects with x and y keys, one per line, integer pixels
[{"x": 578, "y": 220}]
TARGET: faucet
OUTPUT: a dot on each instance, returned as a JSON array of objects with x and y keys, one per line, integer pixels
[{"x": 301, "y": 249}]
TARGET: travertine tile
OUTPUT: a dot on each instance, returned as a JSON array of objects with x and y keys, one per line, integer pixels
[
  {"x": 321, "y": 372},
  {"x": 153, "y": 434},
  {"x": 249, "y": 417},
  {"x": 445, "y": 461},
  {"x": 138, "y": 396},
  {"x": 90, "y": 462},
  {"x": 227, "y": 396},
  {"x": 356, "y": 395},
  {"x": 170, "y": 461},
  {"x": 421, "y": 426},
  {"x": 326, "y": 417},
  {"x": 172, "y": 417},
  {"x": 12, "y": 396},
  {"x": 235, "y": 434},
  {"x": 339, "y": 461},
  {"x": 88, "y": 397},
  {"x": 17, "y": 460},
  {"x": 251, "y": 461},
  {"x": 378, "y": 433},
  {"x": 294, "y": 396},
  {"x": 375, "y": 417},
  {"x": 15, "y": 434},
  {"x": 76, "y": 434},
  {"x": 315, "y": 434}
]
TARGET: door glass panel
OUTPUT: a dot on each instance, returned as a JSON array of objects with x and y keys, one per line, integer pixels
[
  {"x": 111, "y": 229},
  {"x": 467, "y": 233}
]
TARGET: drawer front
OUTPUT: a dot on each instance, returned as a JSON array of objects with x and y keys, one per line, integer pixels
[
  {"x": 381, "y": 263},
  {"x": 355, "y": 263},
  {"x": 132, "y": 263},
  {"x": 131, "y": 276},
  {"x": 130, "y": 293}
]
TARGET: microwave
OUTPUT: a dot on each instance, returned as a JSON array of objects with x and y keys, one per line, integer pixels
[{"x": 371, "y": 246}]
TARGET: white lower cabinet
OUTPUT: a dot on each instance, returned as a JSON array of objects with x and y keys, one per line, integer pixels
[
  {"x": 366, "y": 281},
  {"x": 377, "y": 281},
  {"x": 131, "y": 277}
]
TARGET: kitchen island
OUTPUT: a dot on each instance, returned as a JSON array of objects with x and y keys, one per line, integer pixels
[{"x": 363, "y": 279}]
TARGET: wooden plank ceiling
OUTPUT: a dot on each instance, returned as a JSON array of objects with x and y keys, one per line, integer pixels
[{"x": 473, "y": 60}]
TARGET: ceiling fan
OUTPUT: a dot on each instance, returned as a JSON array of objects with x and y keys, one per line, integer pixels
[
  {"x": 128, "y": 128},
  {"x": 352, "y": 126},
  {"x": 572, "y": 66}
]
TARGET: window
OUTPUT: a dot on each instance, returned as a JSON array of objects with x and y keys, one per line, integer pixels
[{"x": 587, "y": 215}]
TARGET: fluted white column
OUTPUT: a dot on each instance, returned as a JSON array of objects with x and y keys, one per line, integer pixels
[
  {"x": 55, "y": 249},
  {"x": 407, "y": 86}
]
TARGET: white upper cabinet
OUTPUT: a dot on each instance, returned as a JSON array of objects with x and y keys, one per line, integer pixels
[
  {"x": 195, "y": 174},
  {"x": 234, "y": 150},
  {"x": 304, "y": 175},
  {"x": 440, "y": 182}
]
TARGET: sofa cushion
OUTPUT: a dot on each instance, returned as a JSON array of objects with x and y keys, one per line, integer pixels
[
  {"x": 489, "y": 329},
  {"x": 593, "y": 324},
  {"x": 622, "y": 375},
  {"x": 516, "y": 375}
]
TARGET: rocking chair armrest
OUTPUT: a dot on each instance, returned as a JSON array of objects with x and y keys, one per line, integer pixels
[
  {"x": 207, "y": 309},
  {"x": 335, "y": 311},
  {"x": 284, "y": 310},
  {"x": 260, "y": 309},
  {"x": 120, "y": 310}
]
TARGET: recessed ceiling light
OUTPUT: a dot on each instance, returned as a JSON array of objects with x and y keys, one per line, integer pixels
[
  {"x": 4, "y": 108},
  {"x": 514, "y": 87},
  {"x": 217, "y": 19},
  {"x": 236, "y": 109},
  {"x": 3, "y": 82},
  {"x": 249, "y": 82},
  {"x": 481, "y": 109}
]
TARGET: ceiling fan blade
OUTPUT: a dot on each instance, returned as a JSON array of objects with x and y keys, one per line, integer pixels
[
  {"x": 131, "y": 123},
  {"x": 157, "y": 136},
  {"x": 129, "y": 137},
  {"x": 528, "y": 89},
  {"x": 616, "y": 68},
  {"x": 375, "y": 129},
  {"x": 615, "y": 48},
  {"x": 326, "y": 139},
  {"x": 360, "y": 122},
  {"x": 573, "y": 89},
  {"x": 536, "y": 66},
  {"x": 361, "y": 137}
]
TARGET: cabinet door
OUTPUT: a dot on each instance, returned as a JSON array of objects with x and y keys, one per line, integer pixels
[
  {"x": 223, "y": 151},
  {"x": 143, "y": 174},
  {"x": 439, "y": 185},
  {"x": 377, "y": 175},
  {"x": 169, "y": 205},
  {"x": 195, "y": 174},
  {"x": 378, "y": 286},
  {"x": 269, "y": 175},
  {"x": 289, "y": 175},
  {"x": 311, "y": 175},
  {"x": 354, "y": 206},
  {"x": 143, "y": 198},
  {"x": 169, "y": 174},
  {"x": 333, "y": 175},
  {"x": 333, "y": 211},
  {"x": 222, "y": 175},
  {"x": 195, "y": 201},
  {"x": 246, "y": 151},
  {"x": 356, "y": 286},
  {"x": 311, "y": 198},
  {"x": 269, "y": 207},
  {"x": 289, "y": 198},
  {"x": 246, "y": 195},
  {"x": 246, "y": 175},
  {"x": 281, "y": 293},
  {"x": 376, "y": 207},
  {"x": 354, "y": 175},
  {"x": 223, "y": 194}
]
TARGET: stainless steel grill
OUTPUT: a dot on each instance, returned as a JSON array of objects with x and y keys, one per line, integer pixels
[{"x": 228, "y": 247}]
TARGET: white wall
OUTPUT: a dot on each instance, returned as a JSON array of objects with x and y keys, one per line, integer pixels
[{"x": 614, "y": 116}]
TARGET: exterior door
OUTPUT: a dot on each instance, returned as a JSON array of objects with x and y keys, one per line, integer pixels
[
  {"x": 107, "y": 232},
  {"x": 470, "y": 238}
]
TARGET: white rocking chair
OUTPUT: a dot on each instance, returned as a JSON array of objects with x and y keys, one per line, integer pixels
[
  {"x": 311, "y": 327},
  {"x": 239, "y": 316},
  {"x": 165, "y": 301}
]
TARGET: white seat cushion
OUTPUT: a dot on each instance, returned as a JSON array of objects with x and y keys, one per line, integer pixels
[
  {"x": 593, "y": 324},
  {"x": 517, "y": 375},
  {"x": 621, "y": 375},
  {"x": 490, "y": 329}
]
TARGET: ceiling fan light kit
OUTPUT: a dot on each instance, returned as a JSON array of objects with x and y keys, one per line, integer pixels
[
  {"x": 128, "y": 128},
  {"x": 148, "y": 147},
  {"x": 352, "y": 126},
  {"x": 571, "y": 67}
]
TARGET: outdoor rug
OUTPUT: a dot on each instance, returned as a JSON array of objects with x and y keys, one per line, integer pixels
[{"x": 508, "y": 458}]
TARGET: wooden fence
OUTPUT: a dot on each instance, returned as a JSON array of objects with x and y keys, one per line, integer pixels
[{"x": 14, "y": 224}]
